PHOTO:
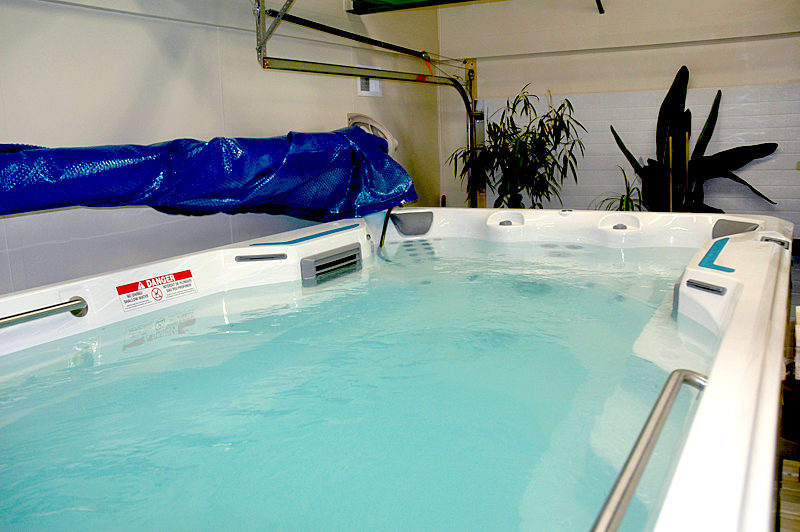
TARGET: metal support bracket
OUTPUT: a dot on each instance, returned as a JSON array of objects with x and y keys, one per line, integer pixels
[
  {"x": 261, "y": 17},
  {"x": 476, "y": 196}
]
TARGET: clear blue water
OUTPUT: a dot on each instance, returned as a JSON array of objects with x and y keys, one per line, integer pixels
[{"x": 461, "y": 386}]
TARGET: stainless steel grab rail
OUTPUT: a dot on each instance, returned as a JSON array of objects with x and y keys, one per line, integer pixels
[
  {"x": 616, "y": 504},
  {"x": 76, "y": 305}
]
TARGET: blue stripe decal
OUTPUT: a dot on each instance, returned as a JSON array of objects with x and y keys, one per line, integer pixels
[
  {"x": 712, "y": 254},
  {"x": 305, "y": 238}
]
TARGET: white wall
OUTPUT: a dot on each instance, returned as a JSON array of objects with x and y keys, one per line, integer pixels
[
  {"x": 550, "y": 43},
  {"x": 96, "y": 72},
  {"x": 568, "y": 48}
]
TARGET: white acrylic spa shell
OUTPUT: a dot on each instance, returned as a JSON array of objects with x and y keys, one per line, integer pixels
[{"x": 736, "y": 287}]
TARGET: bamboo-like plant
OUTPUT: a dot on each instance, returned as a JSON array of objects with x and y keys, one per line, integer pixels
[
  {"x": 659, "y": 192},
  {"x": 525, "y": 153}
]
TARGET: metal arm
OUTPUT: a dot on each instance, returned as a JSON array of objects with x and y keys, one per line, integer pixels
[
  {"x": 294, "y": 65},
  {"x": 277, "y": 63}
]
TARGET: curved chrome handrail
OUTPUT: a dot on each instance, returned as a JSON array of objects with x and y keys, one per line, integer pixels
[{"x": 616, "y": 504}]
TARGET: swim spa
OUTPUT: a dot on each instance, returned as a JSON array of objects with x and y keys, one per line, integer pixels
[{"x": 483, "y": 369}]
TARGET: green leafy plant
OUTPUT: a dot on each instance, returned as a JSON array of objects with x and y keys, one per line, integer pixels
[
  {"x": 667, "y": 186},
  {"x": 525, "y": 153},
  {"x": 630, "y": 200}
]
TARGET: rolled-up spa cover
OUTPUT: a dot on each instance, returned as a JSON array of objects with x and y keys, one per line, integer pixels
[{"x": 314, "y": 176}]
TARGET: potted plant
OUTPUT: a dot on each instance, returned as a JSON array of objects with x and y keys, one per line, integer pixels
[
  {"x": 670, "y": 182},
  {"x": 630, "y": 200},
  {"x": 525, "y": 153}
]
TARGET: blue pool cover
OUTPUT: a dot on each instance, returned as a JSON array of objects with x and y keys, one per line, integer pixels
[{"x": 314, "y": 176}]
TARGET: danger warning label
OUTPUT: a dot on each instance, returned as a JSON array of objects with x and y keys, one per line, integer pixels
[{"x": 155, "y": 290}]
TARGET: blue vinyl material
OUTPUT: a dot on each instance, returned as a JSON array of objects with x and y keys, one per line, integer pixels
[{"x": 315, "y": 176}]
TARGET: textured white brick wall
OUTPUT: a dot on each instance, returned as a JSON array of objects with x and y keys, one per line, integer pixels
[{"x": 748, "y": 115}]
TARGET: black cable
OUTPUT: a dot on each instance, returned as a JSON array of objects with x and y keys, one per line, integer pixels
[
  {"x": 383, "y": 235},
  {"x": 600, "y": 7},
  {"x": 385, "y": 225}
]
